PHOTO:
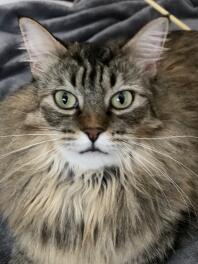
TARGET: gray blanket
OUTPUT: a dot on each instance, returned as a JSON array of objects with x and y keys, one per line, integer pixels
[{"x": 86, "y": 20}]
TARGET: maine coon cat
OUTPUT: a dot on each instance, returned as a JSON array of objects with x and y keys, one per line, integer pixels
[{"x": 98, "y": 155}]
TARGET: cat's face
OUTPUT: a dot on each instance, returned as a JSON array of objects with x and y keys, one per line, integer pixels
[{"x": 96, "y": 98}]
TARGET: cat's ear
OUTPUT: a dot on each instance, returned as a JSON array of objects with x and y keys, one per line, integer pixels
[
  {"x": 147, "y": 47},
  {"x": 41, "y": 46}
]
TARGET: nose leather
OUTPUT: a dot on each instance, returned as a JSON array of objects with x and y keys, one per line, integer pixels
[{"x": 93, "y": 133}]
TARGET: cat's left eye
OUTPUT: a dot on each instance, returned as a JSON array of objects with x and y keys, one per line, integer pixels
[
  {"x": 65, "y": 100},
  {"x": 122, "y": 100}
]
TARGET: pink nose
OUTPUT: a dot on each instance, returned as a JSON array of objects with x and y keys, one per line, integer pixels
[{"x": 93, "y": 133}]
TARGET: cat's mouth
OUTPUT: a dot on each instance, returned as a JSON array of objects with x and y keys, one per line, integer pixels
[{"x": 93, "y": 149}]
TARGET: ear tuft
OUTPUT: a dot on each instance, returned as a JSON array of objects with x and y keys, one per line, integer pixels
[
  {"x": 41, "y": 46},
  {"x": 147, "y": 46}
]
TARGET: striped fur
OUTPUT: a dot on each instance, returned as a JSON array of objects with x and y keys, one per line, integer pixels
[{"x": 126, "y": 210}]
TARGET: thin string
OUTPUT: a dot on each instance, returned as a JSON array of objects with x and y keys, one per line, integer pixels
[{"x": 167, "y": 14}]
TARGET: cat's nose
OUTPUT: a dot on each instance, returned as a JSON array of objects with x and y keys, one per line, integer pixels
[{"x": 93, "y": 133}]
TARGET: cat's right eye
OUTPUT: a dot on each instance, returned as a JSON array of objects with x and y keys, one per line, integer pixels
[{"x": 65, "y": 100}]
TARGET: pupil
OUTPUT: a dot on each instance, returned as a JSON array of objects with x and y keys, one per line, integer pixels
[
  {"x": 121, "y": 98},
  {"x": 65, "y": 98}
]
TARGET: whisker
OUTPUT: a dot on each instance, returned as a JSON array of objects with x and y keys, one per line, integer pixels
[
  {"x": 168, "y": 156},
  {"x": 163, "y": 154},
  {"x": 47, "y": 128},
  {"x": 23, "y": 135},
  {"x": 165, "y": 137},
  {"x": 145, "y": 168},
  {"x": 26, "y": 147},
  {"x": 126, "y": 166},
  {"x": 184, "y": 196},
  {"x": 24, "y": 165}
]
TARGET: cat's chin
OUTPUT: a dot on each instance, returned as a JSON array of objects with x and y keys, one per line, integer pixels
[{"x": 89, "y": 160}]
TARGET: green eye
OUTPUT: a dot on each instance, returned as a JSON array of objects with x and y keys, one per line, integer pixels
[
  {"x": 122, "y": 100},
  {"x": 65, "y": 100}
]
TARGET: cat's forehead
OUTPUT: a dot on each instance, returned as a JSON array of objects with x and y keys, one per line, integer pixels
[
  {"x": 91, "y": 59},
  {"x": 92, "y": 69},
  {"x": 86, "y": 66},
  {"x": 93, "y": 53}
]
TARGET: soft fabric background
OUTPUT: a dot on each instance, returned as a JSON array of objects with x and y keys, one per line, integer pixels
[{"x": 86, "y": 20}]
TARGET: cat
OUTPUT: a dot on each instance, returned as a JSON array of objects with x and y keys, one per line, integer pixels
[{"x": 98, "y": 155}]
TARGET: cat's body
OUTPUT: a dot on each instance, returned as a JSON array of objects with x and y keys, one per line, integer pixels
[{"x": 113, "y": 214}]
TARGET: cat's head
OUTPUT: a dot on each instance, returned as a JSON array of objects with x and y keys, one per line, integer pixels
[{"x": 96, "y": 98}]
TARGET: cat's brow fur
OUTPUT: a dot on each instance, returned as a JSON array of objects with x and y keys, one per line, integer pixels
[{"x": 116, "y": 215}]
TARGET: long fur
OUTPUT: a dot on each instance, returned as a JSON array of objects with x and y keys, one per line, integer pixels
[{"x": 127, "y": 213}]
